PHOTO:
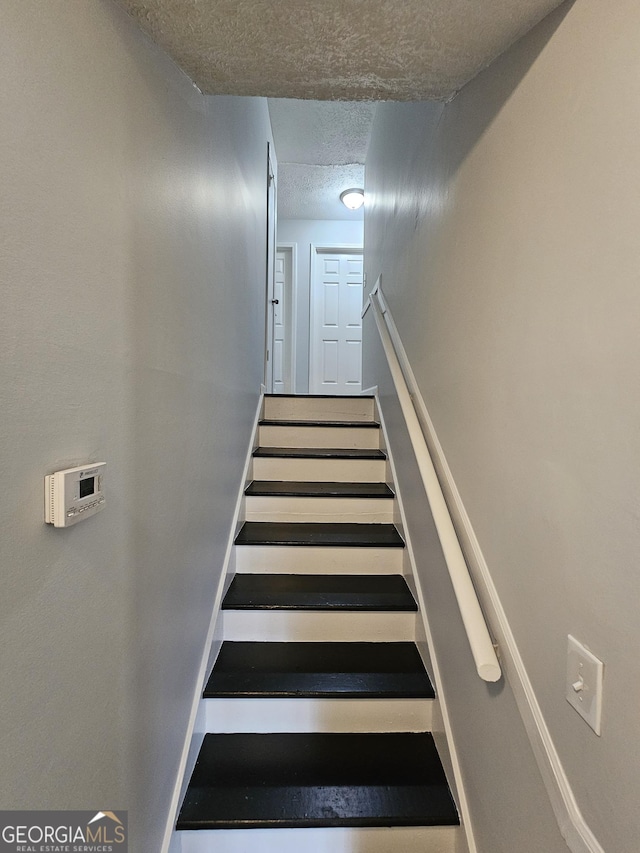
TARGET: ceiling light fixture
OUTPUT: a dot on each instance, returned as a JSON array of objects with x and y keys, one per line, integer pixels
[{"x": 353, "y": 198}]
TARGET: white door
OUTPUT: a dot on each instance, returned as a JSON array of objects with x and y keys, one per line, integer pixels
[
  {"x": 282, "y": 313},
  {"x": 335, "y": 364}
]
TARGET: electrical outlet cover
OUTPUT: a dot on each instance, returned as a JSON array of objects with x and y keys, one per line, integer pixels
[{"x": 584, "y": 683}]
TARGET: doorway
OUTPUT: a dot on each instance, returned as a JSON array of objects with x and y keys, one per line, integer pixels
[
  {"x": 335, "y": 340},
  {"x": 284, "y": 311}
]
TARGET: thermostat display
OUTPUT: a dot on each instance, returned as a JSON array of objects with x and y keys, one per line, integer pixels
[
  {"x": 87, "y": 486},
  {"x": 74, "y": 494}
]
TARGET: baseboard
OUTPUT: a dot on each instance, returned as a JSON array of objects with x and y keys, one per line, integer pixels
[
  {"x": 193, "y": 737},
  {"x": 446, "y": 746},
  {"x": 572, "y": 825}
]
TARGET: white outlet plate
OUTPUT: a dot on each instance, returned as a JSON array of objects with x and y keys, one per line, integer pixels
[{"x": 584, "y": 683}]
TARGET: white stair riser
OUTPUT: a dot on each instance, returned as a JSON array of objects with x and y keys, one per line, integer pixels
[
  {"x": 363, "y": 510},
  {"x": 318, "y": 560},
  {"x": 289, "y": 436},
  {"x": 318, "y": 409},
  {"x": 295, "y": 714},
  {"x": 397, "y": 839},
  {"x": 296, "y": 626},
  {"x": 320, "y": 470}
]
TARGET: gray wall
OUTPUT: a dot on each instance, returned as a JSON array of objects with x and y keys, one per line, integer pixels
[
  {"x": 132, "y": 259},
  {"x": 305, "y": 233},
  {"x": 505, "y": 225}
]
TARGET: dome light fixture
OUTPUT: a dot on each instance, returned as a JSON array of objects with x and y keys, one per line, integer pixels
[{"x": 352, "y": 198}]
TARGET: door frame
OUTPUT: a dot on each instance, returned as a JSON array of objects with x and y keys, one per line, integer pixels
[
  {"x": 315, "y": 251},
  {"x": 292, "y": 320},
  {"x": 270, "y": 257}
]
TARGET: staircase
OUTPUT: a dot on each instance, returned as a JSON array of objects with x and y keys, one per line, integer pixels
[{"x": 318, "y": 707}]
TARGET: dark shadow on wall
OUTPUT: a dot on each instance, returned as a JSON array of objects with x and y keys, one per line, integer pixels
[
  {"x": 490, "y": 90},
  {"x": 506, "y": 74},
  {"x": 435, "y": 147}
]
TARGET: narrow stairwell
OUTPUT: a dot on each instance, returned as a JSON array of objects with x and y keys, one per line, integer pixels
[{"x": 318, "y": 707}]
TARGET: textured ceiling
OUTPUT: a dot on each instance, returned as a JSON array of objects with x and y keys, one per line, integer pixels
[
  {"x": 330, "y": 53},
  {"x": 326, "y": 133},
  {"x": 321, "y": 148},
  {"x": 313, "y": 192},
  {"x": 335, "y": 49}
]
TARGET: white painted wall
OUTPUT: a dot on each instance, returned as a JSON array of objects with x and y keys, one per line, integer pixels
[
  {"x": 505, "y": 225},
  {"x": 132, "y": 259},
  {"x": 305, "y": 233}
]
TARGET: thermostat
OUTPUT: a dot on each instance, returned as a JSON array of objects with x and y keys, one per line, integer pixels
[{"x": 74, "y": 494}]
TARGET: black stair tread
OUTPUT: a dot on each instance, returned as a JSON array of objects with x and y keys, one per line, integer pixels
[
  {"x": 326, "y": 534},
  {"x": 306, "y": 780},
  {"x": 319, "y": 592},
  {"x": 325, "y": 670},
  {"x": 320, "y": 452},
  {"x": 323, "y": 396},
  {"x": 284, "y": 488},
  {"x": 312, "y": 423}
]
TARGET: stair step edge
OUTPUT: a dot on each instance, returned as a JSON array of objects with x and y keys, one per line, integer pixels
[
  {"x": 318, "y": 453},
  {"x": 320, "y": 396},
  {"x": 274, "y": 422},
  {"x": 328, "y": 489},
  {"x": 320, "y": 534}
]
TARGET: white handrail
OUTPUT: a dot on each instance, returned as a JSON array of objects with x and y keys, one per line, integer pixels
[{"x": 482, "y": 648}]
